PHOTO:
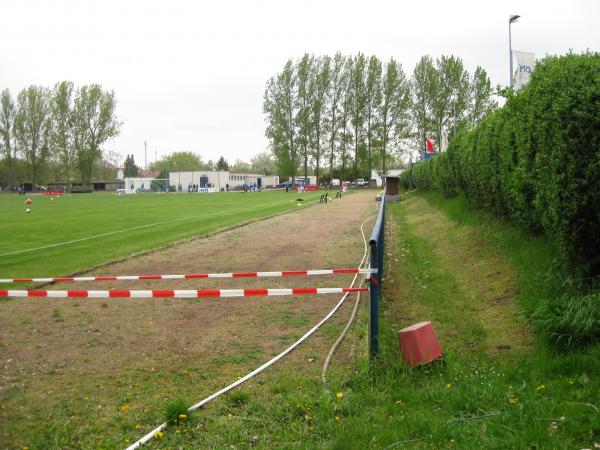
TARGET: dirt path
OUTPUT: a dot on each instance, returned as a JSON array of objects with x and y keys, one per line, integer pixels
[{"x": 83, "y": 346}]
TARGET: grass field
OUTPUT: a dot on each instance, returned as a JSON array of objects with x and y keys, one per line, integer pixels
[{"x": 70, "y": 233}]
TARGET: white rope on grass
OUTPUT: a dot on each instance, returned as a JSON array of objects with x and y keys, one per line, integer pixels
[
  {"x": 255, "y": 372},
  {"x": 350, "y": 321}
]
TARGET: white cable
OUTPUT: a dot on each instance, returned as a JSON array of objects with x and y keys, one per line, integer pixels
[
  {"x": 352, "y": 317},
  {"x": 269, "y": 363}
]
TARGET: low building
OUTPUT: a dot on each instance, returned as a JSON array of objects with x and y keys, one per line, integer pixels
[
  {"x": 216, "y": 180},
  {"x": 379, "y": 179}
]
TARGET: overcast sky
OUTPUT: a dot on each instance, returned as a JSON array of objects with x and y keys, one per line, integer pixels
[{"x": 191, "y": 75}]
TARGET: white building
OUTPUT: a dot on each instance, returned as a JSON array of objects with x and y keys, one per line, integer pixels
[
  {"x": 217, "y": 180},
  {"x": 391, "y": 172}
]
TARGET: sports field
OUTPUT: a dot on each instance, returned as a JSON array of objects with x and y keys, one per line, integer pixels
[{"x": 67, "y": 234}]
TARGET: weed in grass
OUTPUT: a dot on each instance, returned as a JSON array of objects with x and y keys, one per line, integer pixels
[
  {"x": 176, "y": 412},
  {"x": 238, "y": 398}
]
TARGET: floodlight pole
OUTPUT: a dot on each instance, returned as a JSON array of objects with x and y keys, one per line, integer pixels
[{"x": 512, "y": 18}]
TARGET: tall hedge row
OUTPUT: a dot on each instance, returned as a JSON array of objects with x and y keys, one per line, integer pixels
[{"x": 536, "y": 161}]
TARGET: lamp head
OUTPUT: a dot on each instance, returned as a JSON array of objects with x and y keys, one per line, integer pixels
[{"x": 513, "y": 18}]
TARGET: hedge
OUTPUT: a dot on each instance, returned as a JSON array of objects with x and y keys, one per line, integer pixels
[{"x": 535, "y": 161}]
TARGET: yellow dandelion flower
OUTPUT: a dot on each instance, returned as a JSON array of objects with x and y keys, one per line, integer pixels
[
  {"x": 571, "y": 382},
  {"x": 452, "y": 441},
  {"x": 183, "y": 416},
  {"x": 449, "y": 386},
  {"x": 513, "y": 400},
  {"x": 541, "y": 387},
  {"x": 398, "y": 402},
  {"x": 340, "y": 395},
  {"x": 337, "y": 418},
  {"x": 137, "y": 426},
  {"x": 124, "y": 408},
  {"x": 159, "y": 434}
]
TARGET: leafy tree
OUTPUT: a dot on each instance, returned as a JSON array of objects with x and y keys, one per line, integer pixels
[
  {"x": 305, "y": 99},
  {"x": 95, "y": 122},
  {"x": 130, "y": 169},
  {"x": 179, "y": 162},
  {"x": 481, "y": 100},
  {"x": 423, "y": 86},
  {"x": 357, "y": 104},
  {"x": 345, "y": 138},
  {"x": 264, "y": 163},
  {"x": 451, "y": 96},
  {"x": 61, "y": 106},
  {"x": 241, "y": 167},
  {"x": 222, "y": 164},
  {"x": 334, "y": 99},
  {"x": 8, "y": 147},
  {"x": 372, "y": 104},
  {"x": 280, "y": 107},
  {"x": 394, "y": 110},
  {"x": 322, "y": 81},
  {"x": 33, "y": 127}
]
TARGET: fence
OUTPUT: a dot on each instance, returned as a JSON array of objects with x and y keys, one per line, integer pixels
[{"x": 376, "y": 244}]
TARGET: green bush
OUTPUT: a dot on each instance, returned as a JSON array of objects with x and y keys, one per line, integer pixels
[
  {"x": 536, "y": 161},
  {"x": 81, "y": 190},
  {"x": 570, "y": 321}
]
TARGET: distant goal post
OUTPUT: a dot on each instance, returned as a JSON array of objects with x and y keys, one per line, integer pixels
[{"x": 139, "y": 185}]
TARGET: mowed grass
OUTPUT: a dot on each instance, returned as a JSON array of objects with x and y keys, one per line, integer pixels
[{"x": 67, "y": 234}]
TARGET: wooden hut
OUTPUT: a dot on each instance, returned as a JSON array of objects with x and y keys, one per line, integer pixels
[{"x": 392, "y": 188}]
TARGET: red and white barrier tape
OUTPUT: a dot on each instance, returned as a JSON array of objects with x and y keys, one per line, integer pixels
[
  {"x": 288, "y": 273},
  {"x": 175, "y": 293}
]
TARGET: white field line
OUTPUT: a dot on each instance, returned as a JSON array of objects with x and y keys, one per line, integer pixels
[
  {"x": 110, "y": 233},
  {"x": 269, "y": 363}
]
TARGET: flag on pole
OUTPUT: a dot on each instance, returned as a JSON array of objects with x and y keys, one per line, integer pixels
[
  {"x": 525, "y": 66},
  {"x": 430, "y": 146}
]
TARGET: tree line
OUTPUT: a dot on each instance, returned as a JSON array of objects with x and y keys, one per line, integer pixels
[
  {"x": 65, "y": 126},
  {"x": 356, "y": 113}
]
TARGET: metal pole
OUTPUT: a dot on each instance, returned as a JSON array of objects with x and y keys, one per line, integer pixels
[
  {"x": 510, "y": 51},
  {"x": 374, "y": 306}
]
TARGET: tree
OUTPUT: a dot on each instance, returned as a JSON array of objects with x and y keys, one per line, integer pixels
[
  {"x": 95, "y": 122},
  {"x": 130, "y": 169},
  {"x": 222, "y": 164},
  {"x": 423, "y": 84},
  {"x": 8, "y": 147},
  {"x": 481, "y": 100},
  {"x": 334, "y": 100},
  {"x": 345, "y": 136},
  {"x": 61, "y": 106},
  {"x": 179, "y": 162},
  {"x": 264, "y": 163},
  {"x": 305, "y": 99},
  {"x": 394, "y": 111},
  {"x": 321, "y": 80},
  {"x": 33, "y": 128},
  {"x": 280, "y": 107},
  {"x": 372, "y": 103},
  {"x": 241, "y": 167},
  {"x": 451, "y": 96},
  {"x": 357, "y": 104}
]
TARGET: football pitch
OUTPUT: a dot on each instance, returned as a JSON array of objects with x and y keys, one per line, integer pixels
[{"x": 67, "y": 234}]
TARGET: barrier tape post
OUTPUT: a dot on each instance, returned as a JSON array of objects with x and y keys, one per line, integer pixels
[{"x": 376, "y": 244}]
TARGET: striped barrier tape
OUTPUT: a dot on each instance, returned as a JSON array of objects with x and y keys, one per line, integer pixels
[
  {"x": 288, "y": 273},
  {"x": 175, "y": 293}
]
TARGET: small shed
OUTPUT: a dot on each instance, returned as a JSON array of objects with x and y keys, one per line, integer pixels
[{"x": 392, "y": 188}]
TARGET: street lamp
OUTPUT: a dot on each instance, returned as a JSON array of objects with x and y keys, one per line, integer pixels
[{"x": 512, "y": 18}]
